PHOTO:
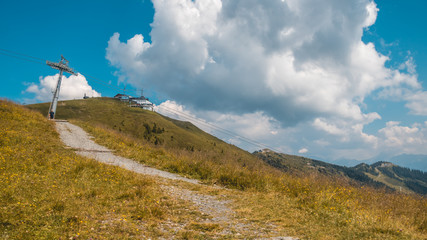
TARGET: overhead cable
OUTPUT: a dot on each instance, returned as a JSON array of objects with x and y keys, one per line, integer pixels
[
  {"x": 188, "y": 117},
  {"x": 216, "y": 128}
]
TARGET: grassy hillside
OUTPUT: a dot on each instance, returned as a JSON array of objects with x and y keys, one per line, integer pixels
[
  {"x": 139, "y": 123},
  {"x": 301, "y": 166},
  {"x": 398, "y": 178},
  {"x": 48, "y": 192},
  {"x": 165, "y": 143},
  {"x": 309, "y": 205},
  {"x": 379, "y": 175}
]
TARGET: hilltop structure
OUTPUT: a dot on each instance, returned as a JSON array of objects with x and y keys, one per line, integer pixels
[
  {"x": 141, "y": 102},
  {"x": 122, "y": 97}
]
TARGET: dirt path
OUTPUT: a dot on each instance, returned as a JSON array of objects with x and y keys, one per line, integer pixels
[
  {"x": 218, "y": 210},
  {"x": 76, "y": 138}
]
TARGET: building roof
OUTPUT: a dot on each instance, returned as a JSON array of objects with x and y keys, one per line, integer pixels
[
  {"x": 139, "y": 98},
  {"x": 122, "y": 96}
]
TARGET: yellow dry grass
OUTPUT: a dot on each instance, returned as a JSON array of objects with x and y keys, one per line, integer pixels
[
  {"x": 48, "y": 192},
  {"x": 312, "y": 207},
  {"x": 308, "y": 206}
]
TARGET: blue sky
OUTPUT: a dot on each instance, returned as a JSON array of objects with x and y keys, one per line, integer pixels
[
  {"x": 303, "y": 77},
  {"x": 397, "y": 31},
  {"x": 79, "y": 30}
]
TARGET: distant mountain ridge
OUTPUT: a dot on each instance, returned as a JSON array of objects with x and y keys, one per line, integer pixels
[
  {"x": 379, "y": 174},
  {"x": 394, "y": 176},
  {"x": 412, "y": 161}
]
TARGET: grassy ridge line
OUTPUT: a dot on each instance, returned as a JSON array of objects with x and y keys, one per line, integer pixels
[
  {"x": 48, "y": 192},
  {"x": 300, "y": 166},
  {"x": 139, "y": 123},
  {"x": 169, "y": 144},
  {"x": 202, "y": 165},
  {"x": 313, "y": 206}
]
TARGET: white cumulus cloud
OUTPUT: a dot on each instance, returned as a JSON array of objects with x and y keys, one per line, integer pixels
[
  {"x": 174, "y": 110},
  {"x": 417, "y": 103},
  {"x": 303, "y": 150},
  {"x": 72, "y": 87},
  {"x": 236, "y": 129},
  {"x": 410, "y": 139},
  {"x": 292, "y": 60},
  {"x": 298, "y": 67}
]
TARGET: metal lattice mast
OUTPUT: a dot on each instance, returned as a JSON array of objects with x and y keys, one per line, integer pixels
[{"x": 62, "y": 66}]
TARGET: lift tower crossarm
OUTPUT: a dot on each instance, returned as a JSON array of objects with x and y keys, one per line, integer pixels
[{"x": 62, "y": 66}]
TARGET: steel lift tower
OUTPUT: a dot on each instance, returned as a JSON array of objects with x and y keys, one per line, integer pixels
[{"x": 62, "y": 66}]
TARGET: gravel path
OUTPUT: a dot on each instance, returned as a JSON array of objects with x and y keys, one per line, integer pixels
[{"x": 76, "y": 138}]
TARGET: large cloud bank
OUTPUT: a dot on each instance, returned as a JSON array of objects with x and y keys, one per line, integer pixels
[
  {"x": 72, "y": 87},
  {"x": 298, "y": 64}
]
